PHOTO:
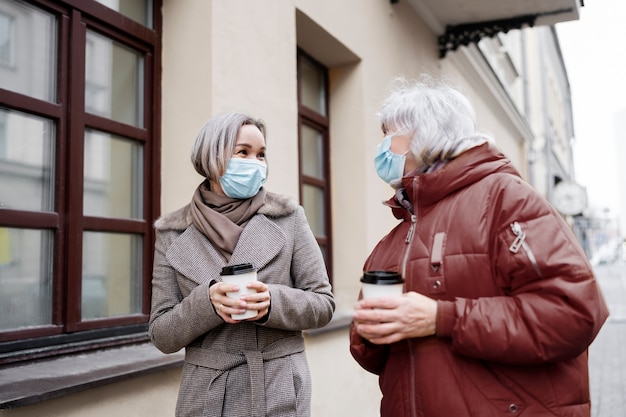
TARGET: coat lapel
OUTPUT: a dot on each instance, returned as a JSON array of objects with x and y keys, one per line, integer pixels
[
  {"x": 192, "y": 254},
  {"x": 259, "y": 243}
]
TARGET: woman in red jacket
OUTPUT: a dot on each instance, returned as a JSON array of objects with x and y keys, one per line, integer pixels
[{"x": 500, "y": 301}]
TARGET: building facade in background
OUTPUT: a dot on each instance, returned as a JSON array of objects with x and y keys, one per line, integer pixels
[
  {"x": 100, "y": 102},
  {"x": 620, "y": 142},
  {"x": 606, "y": 227}
]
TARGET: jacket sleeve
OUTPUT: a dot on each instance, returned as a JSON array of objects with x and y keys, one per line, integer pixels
[
  {"x": 371, "y": 357},
  {"x": 175, "y": 321},
  {"x": 551, "y": 307},
  {"x": 310, "y": 302}
]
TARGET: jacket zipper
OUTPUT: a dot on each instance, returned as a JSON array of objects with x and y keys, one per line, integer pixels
[
  {"x": 520, "y": 242},
  {"x": 408, "y": 240},
  {"x": 409, "y": 236}
]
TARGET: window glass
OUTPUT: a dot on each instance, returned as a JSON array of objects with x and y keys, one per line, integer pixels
[
  {"x": 28, "y": 39},
  {"x": 4, "y": 134},
  {"x": 138, "y": 10},
  {"x": 312, "y": 152},
  {"x": 7, "y": 39},
  {"x": 313, "y": 86},
  {"x": 313, "y": 203},
  {"x": 113, "y": 80},
  {"x": 26, "y": 161},
  {"x": 72, "y": 260},
  {"x": 25, "y": 278},
  {"x": 113, "y": 176},
  {"x": 112, "y": 271}
]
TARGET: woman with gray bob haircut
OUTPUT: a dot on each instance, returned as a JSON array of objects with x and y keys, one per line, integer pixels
[
  {"x": 244, "y": 355},
  {"x": 215, "y": 142},
  {"x": 500, "y": 302}
]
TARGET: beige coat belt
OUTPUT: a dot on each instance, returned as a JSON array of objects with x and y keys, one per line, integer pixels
[{"x": 224, "y": 361}]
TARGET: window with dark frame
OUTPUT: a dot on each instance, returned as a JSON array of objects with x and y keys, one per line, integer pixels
[
  {"x": 313, "y": 147},
  {"x": 79, "y": 170}
]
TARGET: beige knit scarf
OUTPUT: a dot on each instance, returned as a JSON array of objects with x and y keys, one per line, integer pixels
[{"x": 222, "y": 219}]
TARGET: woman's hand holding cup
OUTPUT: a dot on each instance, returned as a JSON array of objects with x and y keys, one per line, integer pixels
[
  {"x": 385, "y": 315},
  {"x": 240, "y": 296}
]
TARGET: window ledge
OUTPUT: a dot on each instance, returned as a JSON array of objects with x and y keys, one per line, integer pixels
[
  {"x": 28, "y": 383},
  {"x": 340, "y": 321},
  {"x": 23, "y": 384}
]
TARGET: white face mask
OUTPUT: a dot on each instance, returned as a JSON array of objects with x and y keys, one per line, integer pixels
[
  {"x": 389, "y": 165},
  {"x": 243, "y": 178}
]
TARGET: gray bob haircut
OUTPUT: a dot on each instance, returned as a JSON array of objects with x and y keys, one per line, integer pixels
[
  {"x": 439, "y": 119},
  {"x": 215, "y": 143}
]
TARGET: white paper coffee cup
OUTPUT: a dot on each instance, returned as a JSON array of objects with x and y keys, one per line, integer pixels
[
  {"x": 240, "y": 275},
  {"x": 375, "y": 284}
]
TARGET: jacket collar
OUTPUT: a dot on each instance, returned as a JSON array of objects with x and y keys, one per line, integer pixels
[{"x": 471, "y": 166}]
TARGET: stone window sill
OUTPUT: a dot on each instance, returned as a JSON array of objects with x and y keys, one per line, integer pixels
[
  {"x": 28, "y": 383},
  {"x": 40, "y": 380}
]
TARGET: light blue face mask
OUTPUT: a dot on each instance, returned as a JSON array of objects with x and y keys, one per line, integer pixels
[
  {"x": 243, "y": 178},
  {"x": 389, "y": 165}
]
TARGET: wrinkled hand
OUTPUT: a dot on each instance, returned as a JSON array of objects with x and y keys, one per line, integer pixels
[
  {"x": 387, "y": 320},
  {"x": 225, "y": 306}
]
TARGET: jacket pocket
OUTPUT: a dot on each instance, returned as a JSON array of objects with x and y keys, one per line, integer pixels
[
  {"x": 539, "y": 248},
  {"x": 484, "y": 392},
  {"x": 520, "y": 242}
]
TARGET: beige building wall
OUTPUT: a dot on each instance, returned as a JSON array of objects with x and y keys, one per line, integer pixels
[
  {"x": 247, "y": 51},
  {"x": 241, "y": 55},
  {"x": 144, "y": 396}
]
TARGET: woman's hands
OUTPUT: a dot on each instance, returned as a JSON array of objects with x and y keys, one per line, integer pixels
[
  {"x": 390, "y": 319},
  {"x": 225, "y": 306}
]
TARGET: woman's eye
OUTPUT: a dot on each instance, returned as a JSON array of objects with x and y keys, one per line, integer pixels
[
  {"x": 261, "y": 155},
  {"x": 242, "y": 152}
]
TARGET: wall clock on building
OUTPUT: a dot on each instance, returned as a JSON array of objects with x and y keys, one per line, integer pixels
[{"x": 569, "y": 198}]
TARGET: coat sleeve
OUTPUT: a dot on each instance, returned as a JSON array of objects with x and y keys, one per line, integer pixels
[
  {"x": 310, "y": 302},
  {"x": 175, "y": 321},
  {"x": 551, "y": 308}
]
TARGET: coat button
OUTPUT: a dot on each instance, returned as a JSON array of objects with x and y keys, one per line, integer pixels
[
  {"x": 437, "y": 284},
  {"x": 513, "y": 408}
]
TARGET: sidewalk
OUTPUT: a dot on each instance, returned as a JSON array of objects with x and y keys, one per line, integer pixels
[{"x": 607, "y": 354}]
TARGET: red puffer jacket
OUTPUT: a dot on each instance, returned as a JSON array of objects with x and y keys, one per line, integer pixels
[{"x": 518, "y": 304}]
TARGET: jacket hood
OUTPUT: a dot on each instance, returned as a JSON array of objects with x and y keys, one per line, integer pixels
[
  {"x": 471, "y": 166},
  {"x": 276, "y": 205}
]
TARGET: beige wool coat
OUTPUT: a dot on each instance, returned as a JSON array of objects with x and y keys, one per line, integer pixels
[{"x": 250, "y": 368}]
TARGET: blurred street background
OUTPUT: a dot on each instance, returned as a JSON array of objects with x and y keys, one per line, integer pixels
[{"x": 607, "y": 358}]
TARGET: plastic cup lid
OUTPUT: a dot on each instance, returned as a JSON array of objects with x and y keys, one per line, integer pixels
[
  {"x": 381, "y": 277},
  {"x": 237, "y": 269}
]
